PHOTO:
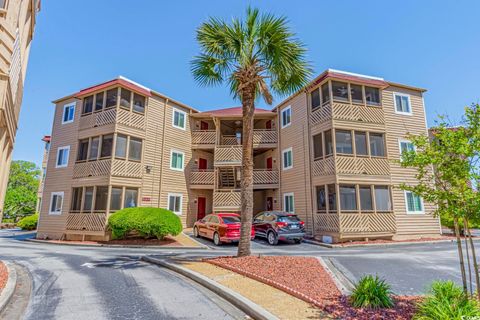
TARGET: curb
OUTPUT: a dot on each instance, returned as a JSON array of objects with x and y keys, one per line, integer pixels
[
  {"x": 250, "y": 308},
  {"x": 385, "y": 244},
  {"x": 116, "y": 245},
  {"x": 191, "y": 237},
  {"x": 341, "y": 281},
  {"x": 9, "y": 289}
]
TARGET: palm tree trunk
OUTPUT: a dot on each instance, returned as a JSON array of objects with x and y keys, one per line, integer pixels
[
  {"x": 460, "y": 255},
  {"x": 474, "y": 258},
  {"x": 246, "y": 183}
]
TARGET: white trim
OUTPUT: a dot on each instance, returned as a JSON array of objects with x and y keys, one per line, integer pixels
[
  {"x": 184, "y": 119},
  {"x": 183, "y": 159},
  {"x": 133, "y": 82},
  {"x": 288, "y": 194},
  {"x": 58, "y": 155},
  {"x": 356, "y": 74},
  {"x": 400, "y": 140},
  {"x": 181, "y": 202},
  {"x": 283, "y": 158},
  {"x": 409, "y": 103},
  {"x": 64, "y": 109},
  {"x": 281, "y": 116},
  {"x": 60, "y": 193},
  {"x": 406, "y": 204}
]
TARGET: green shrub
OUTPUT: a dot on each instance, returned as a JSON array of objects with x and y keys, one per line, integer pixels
[
  {"x": 28, "y": 222},
  {"x": 147, "y": 222},
  {"x": 447, "y": 301},
  {"x": 8, "y": 220},
  {"x": 371, "y": 292}
]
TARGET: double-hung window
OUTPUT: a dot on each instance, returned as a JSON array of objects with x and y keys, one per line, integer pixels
[
  {"x": 405, "y": 147},
  {"x": 286, "y": 116},
  {"x": 288, "y": 202},
  {"x": 402, "y": 103},
  {"x": 414, "y": 203},
  {"x": 175, "y": 202},
  {"x": 62, "y": 157},
  {"x": 178, "y": 120},
  {"x": 68, "y": 113},
  {"x": 287, "y": 159},
  {"x": 176, "y": 160},
  {"x": 56, "y": 203}
]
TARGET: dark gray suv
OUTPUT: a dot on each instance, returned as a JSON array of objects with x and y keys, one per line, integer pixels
[{"x": 279, "y": 225}]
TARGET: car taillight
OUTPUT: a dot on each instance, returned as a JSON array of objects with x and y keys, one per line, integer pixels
[
  {"x": 302, "y": 223},
  {"x": 282, "y": 224}
]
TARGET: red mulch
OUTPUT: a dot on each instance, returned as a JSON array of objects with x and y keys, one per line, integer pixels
[
  {"x": 305, "y": 278},
  {"x": 3, "y": 276}
]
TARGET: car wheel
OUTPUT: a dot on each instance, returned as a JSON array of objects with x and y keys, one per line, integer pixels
[
  {"x": 272, "y": 238},
  {"x": 216, "y": 239},
  {"x": 297, "y": 240},
  {"x": 195, "y": 232}
]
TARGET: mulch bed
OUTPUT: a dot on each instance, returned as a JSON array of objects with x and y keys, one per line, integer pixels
[
  {"x": 305, "y": 278},
  {"x": 3, "y": 276}
]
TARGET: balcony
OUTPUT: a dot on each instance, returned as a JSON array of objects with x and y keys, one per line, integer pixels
[
  {"x": 348, "y": 112},
  {"x": 226, "y": 201},
  {"x": 204, "y": 138},
  {"x": 86, "y": 223},
  {"x": 261, "y": 138},
  {"x": 111, "y": 116},
  {"x": 202, "y": 179},
  {"x": 265, "y": 179},
  {"x": 107, "y": 167},
  {"x": 228, "y": 155},
  {"x": 351, "y": 165}
]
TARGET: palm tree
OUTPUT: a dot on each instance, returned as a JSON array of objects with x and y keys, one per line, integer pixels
[{"x": 255, "y": 56}]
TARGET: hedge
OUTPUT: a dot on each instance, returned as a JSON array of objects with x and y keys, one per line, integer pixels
[
  {"x": 147, "y": 222},
  {"x": 28, "y": 222}
]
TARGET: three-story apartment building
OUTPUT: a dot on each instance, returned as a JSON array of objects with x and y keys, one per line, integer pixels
[{"x": 328, "y": 153}]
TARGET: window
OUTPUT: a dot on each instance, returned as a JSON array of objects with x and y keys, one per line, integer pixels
[
  {"x": 62, "y": 157},
  {"x": 321, "y": 199},
  {"x": 402, "y": 103},
  {"x": 88, "y": 201},
  {"x": 315, "y": 98},
  {"x": 343, "y": 139},
  {"x": 328, "y": 142},
  {"x": 325, "y": 93},
  {"x": 356, "y": 93},
  {"x": 176, "y": 160},
  {"x": 135, "y": 150},
  {"x": 82, "y": 150},
  {"x": 111, "y": 98},
  {"x": 87, "y": 105},
  {"x": 121, "y": 146},
  {"x": 366, "y": 203},
  {"x": 116, "y": 199},
  {"x": 56, "y": 203},
  {"x": 340, "y": 91},
  {"x": 288, "y": 202},
  {"x": 287, "y": 159},
  {"x": 405, "y": 146},
  {"x": 414, "y": 202},
  {"x": 348, "y": 198},
  {"x": 131, "y": 198},
  {"x": 175, "y": 202},
  {"x": 317, "y": 146},
  {"x": 286, "y": 116},
  {"x": 382, "y": 198},
  {"x": 332, "y": 197},
  {"x": 68, "y": 113},
  {"x": 77, "y": 194},
  {"x": 3, "y": 4},
  {"x": 179, "y": 119},
  {"x": 377, "y": 145},
  {"x": 125, "y": 98},
  {"x": 94, "y": 148},
  {"x": 99, "y": 101},
  {"x": 101, "y": 198},
  {"x": 107, "y": 144},
  {"x": 138, "y": 103},
  {"x": 372, "y": 96},
  {"x": 361, "y": 143}
]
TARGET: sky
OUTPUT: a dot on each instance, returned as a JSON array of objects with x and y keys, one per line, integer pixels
[{"x": 429, "y": 44}]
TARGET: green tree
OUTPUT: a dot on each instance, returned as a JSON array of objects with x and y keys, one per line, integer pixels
[
  {"x": 255, "y": 56},
  {"x": 447, "y": 172},
  {"x": 21, "y": 196}
]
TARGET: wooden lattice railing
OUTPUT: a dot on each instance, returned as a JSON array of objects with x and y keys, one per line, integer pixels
[
  {"x": 131, "y": 119},
  {"x": 94, "y": 222},
  {"x": 262, "y": 176},
  {"x": 207, "y": 137},
  {"x": 228, "y": 155},
  {"x": 228, "y": 200},
  {"x": 351, "y": 165},
  {"x": 326, "y": 222},
  {"x": 321, "y": 114},
  {"x": 106, "y": 167},
  {"x": 98, "y": 119},
  {"x": 228, "y": 140},
  {"x": 202, "y": 177},
  {"x": 323, "y": 167},
  {"x": 349, "y": 112},
  {"x": 352, "y": 223},
  {"x": 123, "y": 168},
  {"x": 262, "y": 136}
]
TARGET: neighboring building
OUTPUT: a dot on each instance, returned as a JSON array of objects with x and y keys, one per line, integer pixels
[
  {"x": 326, "y": 153},
  {"x": 46, "y": 140},
  {"x": 17, "y": 23}
]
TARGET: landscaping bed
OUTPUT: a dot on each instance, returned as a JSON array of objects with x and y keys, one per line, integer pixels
[
  {"x": 306, "y": 279},
  {"x": 3, "y": 276},
  {"x": 386, "y": 241}
]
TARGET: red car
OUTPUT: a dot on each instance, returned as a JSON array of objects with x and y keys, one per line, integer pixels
[{"x": 220, "y": 227}]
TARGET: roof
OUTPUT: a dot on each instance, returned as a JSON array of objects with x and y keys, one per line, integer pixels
[
  {"x": 232, "y": 112},
  {"x": 46, "y": 138}
]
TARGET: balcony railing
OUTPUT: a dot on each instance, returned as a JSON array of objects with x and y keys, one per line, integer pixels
[
  {"x": 351, "y": 165},
  {"x": 202, "y": 177},
  {"x": 110, "y": 116},
  {"x": 260, "y": 137},
  {"x": 349, "y": 112},
  {"x": 204, "y": 137},
  {"x": 106, "y": 167},
  {"x": 228, "y": 155},
  {"x": 353, "y": 224},
  {"x": 94, "y": 222},
  {"x": 265, "y": 177},
  {"x": 226, "y": 200}
]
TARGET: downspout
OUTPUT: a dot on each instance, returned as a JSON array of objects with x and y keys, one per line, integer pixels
[
  {"x": 309, "y": 162},
  {"x": 162, "y": 152}
]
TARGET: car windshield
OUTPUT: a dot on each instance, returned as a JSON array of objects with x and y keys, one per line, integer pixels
[
  {"x": 230, "y": 219},
  {"x": 288, "y": 219}
]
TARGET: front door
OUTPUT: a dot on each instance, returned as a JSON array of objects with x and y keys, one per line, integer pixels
[
  {"x": 203, "y": 125},
  {"x": 269, "y": 203},
  {"x": 202, "y": 164},
  {"x": 269, "y": 163},
  {"x": 201, "y": 205}
]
